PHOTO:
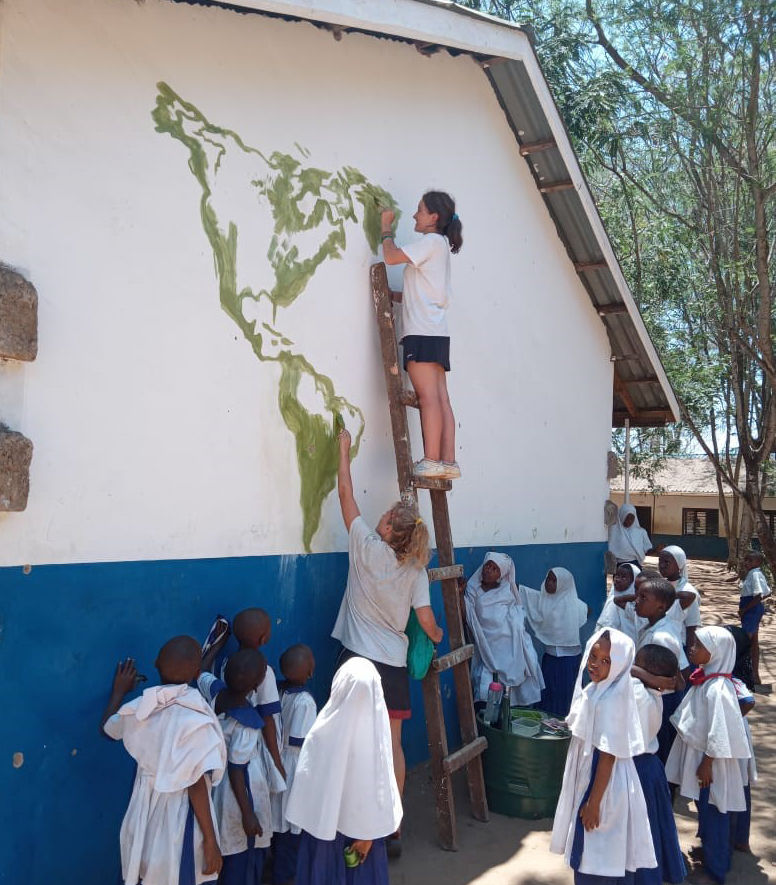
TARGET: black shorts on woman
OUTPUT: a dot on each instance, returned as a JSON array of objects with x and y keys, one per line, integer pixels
[
  {"x": 395, "y": 681},
  {"x": 426, "y": 349}
]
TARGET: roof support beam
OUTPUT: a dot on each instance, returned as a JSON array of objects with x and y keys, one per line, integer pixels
[
  {"x": 579, "y": 266},
  {"x": 553, "y": 186},
  {"x": 621, "y": 389},
  {"x": 536, "y": 146},
  {"x": 645, "y": 418},
  {"x": 606, "y": 309}
]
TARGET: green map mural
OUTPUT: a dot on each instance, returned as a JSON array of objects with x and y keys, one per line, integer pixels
[{"x": 310, "y": 209}]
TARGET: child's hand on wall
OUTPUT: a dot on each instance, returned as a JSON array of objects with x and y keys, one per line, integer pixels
[{"x": 126, "y": 677}]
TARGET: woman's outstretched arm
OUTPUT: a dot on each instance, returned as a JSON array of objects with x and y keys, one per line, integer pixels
[{"x": 344, "y": 481}]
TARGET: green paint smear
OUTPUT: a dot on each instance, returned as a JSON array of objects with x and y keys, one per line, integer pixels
[{"x": 301, "y": 198}]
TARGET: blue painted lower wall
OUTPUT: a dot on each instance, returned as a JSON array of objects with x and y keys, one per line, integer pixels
[
  {"x": 696, "y": 546},
  {"x": 64, "y": 627}
]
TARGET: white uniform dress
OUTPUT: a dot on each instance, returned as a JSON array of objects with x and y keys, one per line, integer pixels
[
  {"x": 612, "y": 615},
  {"x": 604, "y": 717},
  {"x": 244, "y": 746},
  {"x": 709, "y": 721},
  {"x": 690, "y": 616},
  {"x": 298, "y": 711},
  {"x": 497, "y": 621},
  {"x": 176, "y": 739},
  {"x": 629, "y": 544}
]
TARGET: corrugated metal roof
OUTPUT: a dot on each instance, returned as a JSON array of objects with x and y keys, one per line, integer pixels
[
  {"x": 689, "y": 476},
  {"x": 642, "y": 392}
]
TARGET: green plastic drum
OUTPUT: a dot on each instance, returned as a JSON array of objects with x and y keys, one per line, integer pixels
[{"x": 523, "y": 775}]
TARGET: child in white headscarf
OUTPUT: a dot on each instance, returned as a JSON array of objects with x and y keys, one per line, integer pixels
[
  {"x": 686, "y": 611},
  {"x": 555, "y": 614},
  {"x": 601, "y": 818},
  {"x": 628, "y": 541},
  {"x": 496, "y": 620},
  {"x": 344, "y": 795},
  {"x": 623, "y": 585},
  {"x": 705, "y": 760}
]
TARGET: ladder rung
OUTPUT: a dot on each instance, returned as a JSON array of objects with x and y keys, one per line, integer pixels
[
  {"x": 452, "y": 658},
  {"x": 409, "y": 398},
  {"x": 465, "y": 755},
  {"x": 434, "y": 485},
  {"x": 444, "y": 572}
]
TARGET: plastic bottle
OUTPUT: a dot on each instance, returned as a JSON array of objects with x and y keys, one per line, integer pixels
[{"x": 495, "y": 693}]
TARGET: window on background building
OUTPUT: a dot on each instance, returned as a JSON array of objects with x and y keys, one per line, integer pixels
[
  {"x": 770, "y": 515},
  {"x": 700, "y": 522},
  {"x": 644, "y": 515}
]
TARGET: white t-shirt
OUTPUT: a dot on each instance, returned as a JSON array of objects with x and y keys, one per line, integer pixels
[
  {"x": 665, "y": 633},
  {"x": 754, "y": 584},
  {"x": 426, "y": 294},
  {"x": 378, "y": 598}
]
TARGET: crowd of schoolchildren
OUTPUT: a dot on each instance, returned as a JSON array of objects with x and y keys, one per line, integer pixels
[
  {"x": 240, "y": 779},
  {"x": 237, "y": 772},
  {"x": 656, "y": 704}
]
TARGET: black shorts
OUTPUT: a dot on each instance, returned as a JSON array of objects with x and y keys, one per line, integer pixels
[
  {"x": 395, "y": 681},
  {"x": 426, "y": 349}
]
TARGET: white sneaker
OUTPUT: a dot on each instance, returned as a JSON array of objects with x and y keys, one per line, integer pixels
[
  {"x": 428, "y": 469},
  {"x": 452, "y": 470}
]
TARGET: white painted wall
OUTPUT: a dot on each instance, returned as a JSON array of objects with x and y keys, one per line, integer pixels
[{"x": 156, "y": 430}]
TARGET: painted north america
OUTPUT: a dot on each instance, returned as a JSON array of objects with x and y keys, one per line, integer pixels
[{"x": 310, "y": 213}]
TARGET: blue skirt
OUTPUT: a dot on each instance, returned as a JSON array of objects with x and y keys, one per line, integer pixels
[
  {"x": 670, "y": 863},
  {"x": 560, "y": 674},
  {"x": 323, "y": 863},
  {"x": 743, "y": 821},
  {"x": 667, "y": 733},
  {"x": 750, "y": 622},
  {"x": 715, "y": 831},
  {"x": 244, "y": 868},
  {"x": 285, "y": 852}
]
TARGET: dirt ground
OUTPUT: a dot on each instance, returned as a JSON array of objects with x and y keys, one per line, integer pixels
[{"x": 510, "y": 851}]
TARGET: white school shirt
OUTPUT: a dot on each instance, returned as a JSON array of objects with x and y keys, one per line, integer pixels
[
  {"x": 754, "y": 584},
  {"x": 649, "y": 704},
  {"x": 265, "y": 701},
  {"x": 686, "y": 617},
  {"x": 379, "y": 595},
  {"x": 426, "y": 291},
  {"x": 175, "y": 738},
  {"x": 298, "y": 712},
  {"x": 665, "y": 633},
  {"x": 244, "y": 744}
]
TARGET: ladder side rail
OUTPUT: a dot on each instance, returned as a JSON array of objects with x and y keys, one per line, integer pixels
[{"x": 383, "y": 302}]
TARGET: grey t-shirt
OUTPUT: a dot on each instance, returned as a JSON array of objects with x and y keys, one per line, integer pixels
[{"x": 378, "y": 598}]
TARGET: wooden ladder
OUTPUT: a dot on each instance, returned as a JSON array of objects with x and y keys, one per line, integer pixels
[{"x": 443, "y": 763}]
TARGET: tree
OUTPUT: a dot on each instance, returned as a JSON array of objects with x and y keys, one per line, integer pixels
[{"x": 671, "y": 108}]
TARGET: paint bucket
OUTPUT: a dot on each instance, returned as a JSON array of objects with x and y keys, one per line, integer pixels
[{"x": 523, "y": 774}]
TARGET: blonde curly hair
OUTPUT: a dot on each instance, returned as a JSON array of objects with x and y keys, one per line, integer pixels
[{"x": 409, "y": 535}]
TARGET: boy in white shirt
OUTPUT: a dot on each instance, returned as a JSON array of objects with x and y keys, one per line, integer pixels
[{"x": 751, "y": 607}]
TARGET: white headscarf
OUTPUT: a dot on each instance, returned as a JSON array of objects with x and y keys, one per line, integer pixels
[
  {"x": 628, "y": 543},
  {"x": 493, "y": 617},
  {"x": 556, "y": 617},
  {"x": 344, "y": 779},
  {"x": 604, "y": 714},
  {"x": 680, "y": 558},
  {"x": 709, "y": 718}
]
